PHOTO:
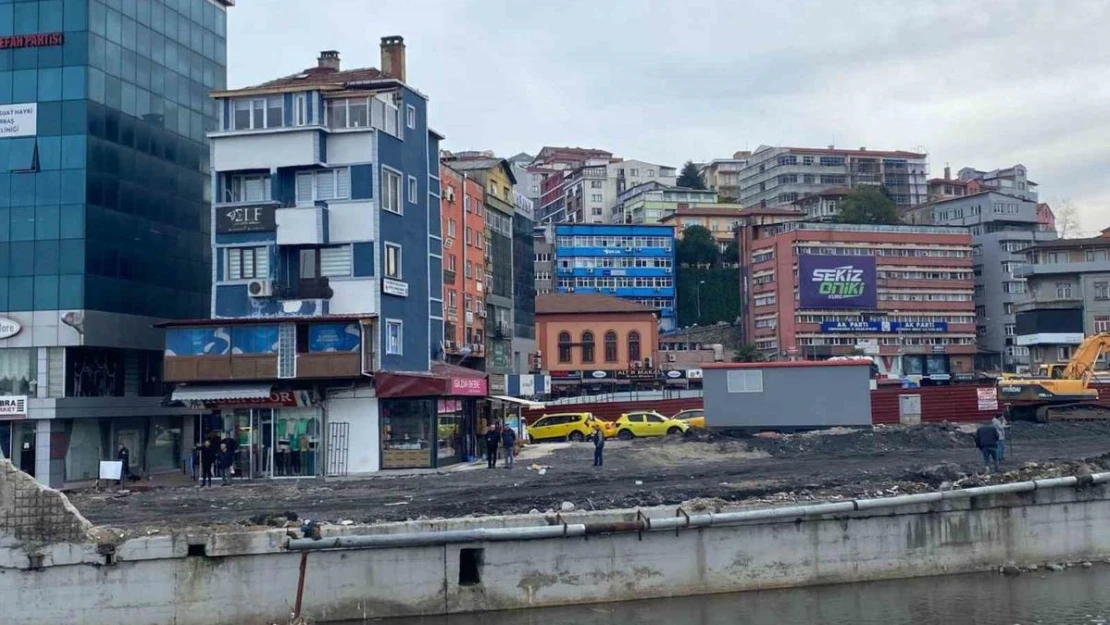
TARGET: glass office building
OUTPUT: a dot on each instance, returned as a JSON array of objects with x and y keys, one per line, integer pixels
[{"x": 104, "y": 218}]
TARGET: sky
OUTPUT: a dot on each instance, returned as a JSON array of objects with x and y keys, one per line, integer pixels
[{"x": 986, "y": 85}]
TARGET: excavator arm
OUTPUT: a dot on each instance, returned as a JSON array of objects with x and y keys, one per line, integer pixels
[{"x": 1081, "y": 366}]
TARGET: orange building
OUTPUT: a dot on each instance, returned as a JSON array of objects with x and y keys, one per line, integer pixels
[
  {"x": 596, "y": 341},
  {"x": 464, "y": 271}
]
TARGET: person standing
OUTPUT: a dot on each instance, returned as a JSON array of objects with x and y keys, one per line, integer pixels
[
  {"x": 508, "y": 442},
  {"x": 999, "y": 423},
  {"x": 124, "y": 457},
  {"x": 226, "y": 459},
  {"x": 598, "y": 439},
  {"x": 207, "y": 459},
  {"x": 493, "y": 438},
  {"x": 986, "y": 439}
]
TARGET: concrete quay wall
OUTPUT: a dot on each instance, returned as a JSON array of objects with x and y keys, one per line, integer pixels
[{"x": 251, "y": 578}]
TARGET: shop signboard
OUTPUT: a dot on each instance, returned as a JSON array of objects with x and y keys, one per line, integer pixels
[
  {"x": 277, "y": 399},
  {"x": 9, "y": 328},
  {"x": 883, "y": 326},
  {"x": 601, "y": 375},
  {"x": 987, "y": 398},
  {"x": 13, "y": 407},
  {"x": 566, "y": 375},
  {"x": 246, "y": 219},
  {"x": 395, "y": 287},
  {"x": 836, "y": 281},
  {"x": 470, "y": 386},
  {"x": 694, "y": 374},
  {"x": 334, "y": 337}
]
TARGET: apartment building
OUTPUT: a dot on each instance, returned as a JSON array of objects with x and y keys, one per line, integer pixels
[
  {"x": 823, "y": 205},
  {"x": 776, "y": 176},
  {"x": 1002, "y": 226},
  {"x": 1067, "y": 296},
  {"x": 553, "y": 165},
  {"x": 723, "y": 175},
  {"x": 631, "y": 262},
  {"x": 721, "y": 220},
  {"x": 464, "y": 226},
  {"x": 593, "y": 190},
  {"x": 1010, "y": 180},
  {"x": 104, "y": 183},
  {"x": 650, "y": 202},
  {"x": 902, "y": 294},
  {"x": 543, "y": 250}
]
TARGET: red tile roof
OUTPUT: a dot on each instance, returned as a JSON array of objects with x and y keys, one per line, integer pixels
[
  {"x": 314, "y": 77},
  {"x": 573, "y": 303}
]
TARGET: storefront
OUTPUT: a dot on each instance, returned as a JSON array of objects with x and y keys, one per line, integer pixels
[
  {"x": 276, "y": 433},
  {"x": 17, "y": 434},
  {"x": 429, "y": 420}
]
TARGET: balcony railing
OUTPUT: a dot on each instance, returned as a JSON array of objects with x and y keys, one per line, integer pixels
[
  {"x": 228, "y": 367},
  {"x": 313, "y": 288},
  {"x": 449, "y": 276}
]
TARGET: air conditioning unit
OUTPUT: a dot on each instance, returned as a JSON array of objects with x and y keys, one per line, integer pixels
[
  {"x": 668, "y": 271},
  {"x": 451, "y": 194},
  {"x": 670, "y": 357},
  {"x": 260, "y": 288},
  {"x": 482, "y": 314}
]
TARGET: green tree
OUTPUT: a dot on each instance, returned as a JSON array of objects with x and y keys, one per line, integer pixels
[
  {"x": 690, "y": 177},
  {"x": 746, "y": 352},
  {"x": 868, "y": 205},
  {"x": 731, "y": 254},
  {"x": 697, "y": 247}
]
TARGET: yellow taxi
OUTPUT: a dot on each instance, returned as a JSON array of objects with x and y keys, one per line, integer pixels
[
  {"x": 694, "y": 417},
  {"x": 647, "y": 423},
  {"x": 570, "y": 426}
]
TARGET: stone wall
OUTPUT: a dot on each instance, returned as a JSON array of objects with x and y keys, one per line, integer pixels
[{"x": 33, "y": 515}]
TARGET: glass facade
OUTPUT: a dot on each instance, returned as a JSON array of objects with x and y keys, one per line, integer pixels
[{"x": 105, "y": 206}]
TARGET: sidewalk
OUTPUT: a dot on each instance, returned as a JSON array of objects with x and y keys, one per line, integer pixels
[{"x": 528, "y": 454}]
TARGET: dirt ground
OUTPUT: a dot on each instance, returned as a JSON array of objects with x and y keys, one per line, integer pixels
[{"x": 703, "y": 471}]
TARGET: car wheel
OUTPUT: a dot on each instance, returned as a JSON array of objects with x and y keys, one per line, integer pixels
[
  {"x": 674, "y": 431},
  {"x": 625, "y": 435},
  {"x": 576, "y": 437}
]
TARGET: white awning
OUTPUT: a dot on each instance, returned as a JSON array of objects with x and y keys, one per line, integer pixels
[
  {"x": 214, "y": 393},
  {"x": 535, "y": 405}
]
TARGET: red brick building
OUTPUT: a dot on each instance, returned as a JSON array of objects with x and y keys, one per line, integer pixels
[{"x": 915, "y": 313}]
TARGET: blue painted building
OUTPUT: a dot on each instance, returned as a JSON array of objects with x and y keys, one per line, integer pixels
[
  {"x": 326, "y": 275},
  {"x": 634, "y": 262}
]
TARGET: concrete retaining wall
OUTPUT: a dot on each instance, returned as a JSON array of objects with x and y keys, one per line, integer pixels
[{"x": 247, "y": 579}]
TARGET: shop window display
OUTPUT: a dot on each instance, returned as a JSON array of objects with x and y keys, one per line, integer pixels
[
  {"x": 407, "y": 433},
  {"x": 450, "y": 426}
]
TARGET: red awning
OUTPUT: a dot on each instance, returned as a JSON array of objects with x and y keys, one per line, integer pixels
[{"x": 436, "y": 383}]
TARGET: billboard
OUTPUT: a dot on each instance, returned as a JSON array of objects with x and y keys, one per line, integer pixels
[{"x": 836, "y": 282}]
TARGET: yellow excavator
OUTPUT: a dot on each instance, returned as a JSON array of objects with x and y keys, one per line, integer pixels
[{"x": 1061, "y": 391}]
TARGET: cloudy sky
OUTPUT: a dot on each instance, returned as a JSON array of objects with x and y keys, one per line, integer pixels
[{"x": 986, "y": 84}]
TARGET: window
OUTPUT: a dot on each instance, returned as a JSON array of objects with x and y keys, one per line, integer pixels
[
  {"x": 287, "y": 351},
  {"x": 349, "y": 113},
  {"x": 452, "y": 262},
  {"x": 451, "y": 228},
  {"x": 469, "y": 269},
  {"x": 635, "y": 173},
  {"x": 247, "y": 263},
  {"x": 634, "y": 346},
  {"x": 393, "y": 336},
  {"x": 597, "y": 197},
  {"x": 587, "y": 346},
  {"x": 300, "y": 108},
  {"x": 391, "y": 191},
  {"x": 651, "y": 173},
  {"x": 1102, "y": 290},
  {"x": 335, "y": 262},
  {"x": 564, "y": 347},
  {"x": 410, "y": 116},
  {"x": 248, "y": 189},
  {"x": 412, "y": 190},
  {"x": 1102, "y": 323},
  {"x": 1063, "y": 290},
  {"x": 256, "y": 114},
  {"x": 610, "y": 346},
  {"x": 596, "y": 184},
  {"x": 323, "y": 184},
  {"x": 393, "y": 261},
  {"x": 742, "y": 381}
]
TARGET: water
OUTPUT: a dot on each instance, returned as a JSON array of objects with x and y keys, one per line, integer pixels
[{"x": 1073, "y": 597}]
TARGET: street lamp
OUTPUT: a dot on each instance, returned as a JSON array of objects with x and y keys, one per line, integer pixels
[{"x": 699, "y": 299}]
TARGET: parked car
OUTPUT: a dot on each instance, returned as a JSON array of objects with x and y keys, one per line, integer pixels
[
  {"x": 641, "y": 424},
  {"x": 694, "y": 417},
  {"x": 570, "y": 426}
]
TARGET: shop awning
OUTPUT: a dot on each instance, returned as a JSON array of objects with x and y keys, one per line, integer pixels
[
  {"x": 533, "y": 405},
  {"x": 215, "y": 393}
]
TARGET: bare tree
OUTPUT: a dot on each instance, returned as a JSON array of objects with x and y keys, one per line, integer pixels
[{"x": 1067, "y": 219}]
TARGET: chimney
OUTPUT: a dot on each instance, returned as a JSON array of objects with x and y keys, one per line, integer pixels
[
  {"x": 863, "y": 148},
  {"x": 393, "y": 57},
  {"x": 329, "y": 59},
  {"x": 947, "y": 172}
]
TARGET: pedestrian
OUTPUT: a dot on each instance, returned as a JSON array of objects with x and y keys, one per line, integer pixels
[
  {"x": 226, "y": 461},
  {"x": 124, "y": 457},
  {"x": 999, "y": 423},
  {"x": 207, "y": 458},
  {"x": 598, "y": 438},
  {"x": 508, "y": 442},
  {"x": 493, "y": 438},
  {"x": 986, "y": 439}
]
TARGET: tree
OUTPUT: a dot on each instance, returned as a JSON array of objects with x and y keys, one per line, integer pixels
[
  {"x": 868, "y": 205},
  {"x": 731, "y": 255},
  {"x": 697, "y": 247},
  {"x": 746, "y": 352},
  {"x": 1067, "y": 219},
  {"x": 690, "y": 177}
]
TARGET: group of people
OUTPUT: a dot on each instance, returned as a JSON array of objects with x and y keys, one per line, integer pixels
[
  {"x": 500, "y": 436},
  {"x": 208, "y": 458},
  {"x": 991, "y": 441}
]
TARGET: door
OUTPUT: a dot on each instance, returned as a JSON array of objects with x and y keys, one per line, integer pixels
[
  {"x": 25, "y": 438},
  {"x": 542, "y": 428},
  {"x": 655, "y": 425},
  {"x": 133, "y": 439}
]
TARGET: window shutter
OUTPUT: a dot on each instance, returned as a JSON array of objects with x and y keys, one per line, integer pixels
[
  {"x": 325, "y": 184},
  {"x": 343, "y": 183},
  {"x": 335, "y": 262},
  {"x": 255, "y": 188},
  {"x": 304, "y": 188},
  {"x": 234, "y": 264},
  {"x": 261, "y": 262}
]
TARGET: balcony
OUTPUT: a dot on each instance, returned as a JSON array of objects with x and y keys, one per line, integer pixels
[
  {"x": 265, "y": 150},
  {"x": 302, "y": 225},
  {"x": 1049, "y": 269},
  {"x": 312, "y": 288},
  {"x": 449, "y": 276}
]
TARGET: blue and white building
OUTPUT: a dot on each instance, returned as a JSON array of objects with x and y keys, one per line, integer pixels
[
  {"x": 633, "y": 262},
  {"x": 327, "y": 278}
]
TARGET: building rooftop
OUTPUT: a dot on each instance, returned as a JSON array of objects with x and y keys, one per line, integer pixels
[
  {"x": 842, "y": 152},
  {"x": 571, "y": 304},
  {"x": 713, "y": 210},
  {"x": 1102, "y": 240}
]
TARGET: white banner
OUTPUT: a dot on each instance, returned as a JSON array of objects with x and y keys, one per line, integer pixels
[
  {"x": 19, "y": 120},
  {"x": 13, "y": 405}
]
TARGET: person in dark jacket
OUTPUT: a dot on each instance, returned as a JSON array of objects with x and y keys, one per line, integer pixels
[
  {"x": 226, "y": 459},
  {"x": 207, "y": 459},
  {"x": 493, "y": 439},
  {"x": 598, "y": 438},
  {"x": 508, "y": 443},
  {"x": 986, "y": 439},
  {"x": 124, "y": 457}
]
